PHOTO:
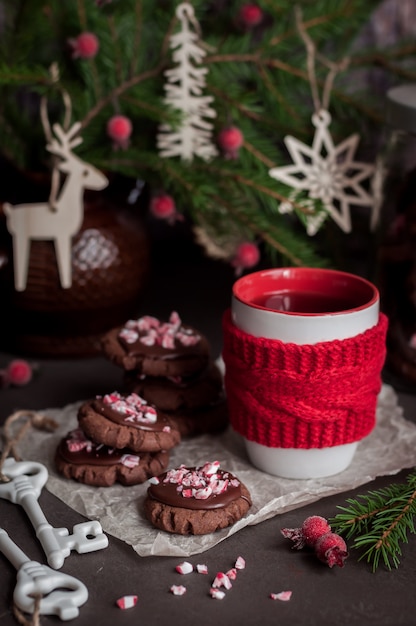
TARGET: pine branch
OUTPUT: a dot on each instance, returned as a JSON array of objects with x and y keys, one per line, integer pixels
[{"x": 379, "y": 522}]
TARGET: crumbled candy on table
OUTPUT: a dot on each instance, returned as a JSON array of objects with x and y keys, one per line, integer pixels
[
  {"x": 221, "y": 580},
  {"x": 232, "y": 573},
  {"x": 218, "y": 586},
  {"x": 150, "y": 331},
  {"x": 240, "y": 563},
  {"x": 127, "y": 602},
  {"x": 283, "y": 596},
  {"x": 184, "y": 568}
]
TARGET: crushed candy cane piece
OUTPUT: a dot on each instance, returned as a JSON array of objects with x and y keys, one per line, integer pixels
[
  {"x": 240, "y": 563},
  {"x": 222, "y": 580},
  {"x": 283, "y": 596},
  {"x": 232, "y": 573},
  {"x": 178, "y": 590},
  {"x": 210, "y": 468},
  {"x": 217, "y": 594},
  {"x": 154, "y": 480},
  {"x": 133, "y": 406},
  {"x": 126, "y": 602},
  {"x": 197, "y": 483},
  {"x": 130, "y": 460},
  {"x": 150, "y": 331},
  {"x": 184, "y": 568},
  {"x": 78, "y": 441},
  {"x": 201, "y": 569}
]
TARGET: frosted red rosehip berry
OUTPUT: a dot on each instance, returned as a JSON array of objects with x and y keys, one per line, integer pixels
[
  {"x": 312, "y": 528},
  {"x": 250, "y": 14},
  {"x": 119, "y": 129},
  {"x": 85, "y": 46},
  {"x": 331, "y": 549},
  {"x": 230, "y": 140}
]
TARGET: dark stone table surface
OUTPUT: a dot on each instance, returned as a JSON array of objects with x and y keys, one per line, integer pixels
[{"x": 199, "y": 289}]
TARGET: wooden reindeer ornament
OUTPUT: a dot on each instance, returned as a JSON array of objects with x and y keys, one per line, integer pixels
[{"x": 56, "y": 220}]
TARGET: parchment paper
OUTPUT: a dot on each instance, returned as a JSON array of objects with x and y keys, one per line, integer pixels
[{"x": 390, "y": 448}]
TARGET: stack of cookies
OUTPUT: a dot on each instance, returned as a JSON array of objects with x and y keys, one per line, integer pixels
[
  {"x": 120, "y": 438},
  {"x": 170, "y": 366}
]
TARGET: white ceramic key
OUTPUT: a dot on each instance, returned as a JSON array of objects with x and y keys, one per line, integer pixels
[
  {"x": 61, "y": 594},
  {"x": 24, "y": 487}
]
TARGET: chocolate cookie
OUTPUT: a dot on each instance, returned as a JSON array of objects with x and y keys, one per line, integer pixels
[
  {"x": 81, "y": 459},
  {"x": 179, "y": 392},
  {"x": 212, "y": 418},
  {"x": 196, "y": 500},
  {"x": 156, "y": 348},
  {"x": 127, "y": 421}
]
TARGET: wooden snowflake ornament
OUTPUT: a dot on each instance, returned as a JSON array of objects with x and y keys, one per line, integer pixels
[
  {"x": 327, "y": 172},
  {"x": 184, "y": 92}
]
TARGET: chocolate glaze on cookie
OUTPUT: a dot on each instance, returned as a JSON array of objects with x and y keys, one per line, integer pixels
[
  {"x": 131, "y": 410},
  {"x": 78, "y": 449},
  {"x": 196, "y": 500},
  {"x": 157, "y": 348},
  {"x": 131, "y": 423},
  {"x": 193, "y": 488},
  {"x": 91, "y": 463}
]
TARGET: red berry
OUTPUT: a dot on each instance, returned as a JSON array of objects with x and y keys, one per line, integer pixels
[
  {"x": 85, "y": 46},
  {"x": 251, "y": 14},
  {"x": 19, "y": 372},
  {"x": 307, "y": 535},
  {"x": 163, "y": 207},
  {"x": 230, "y": 139},
  {"x": 119, "y": 129},
  {"x": 331, "y": 549},
  {"x": 247, "y": 255},
  {"x": 314, "y": 527}
]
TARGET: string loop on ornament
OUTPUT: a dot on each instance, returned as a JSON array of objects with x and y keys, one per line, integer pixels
[
  {"x": 185, "y": 11},
  {"x": 320, "y": 104},
  {"x": 321, "y": 119}
]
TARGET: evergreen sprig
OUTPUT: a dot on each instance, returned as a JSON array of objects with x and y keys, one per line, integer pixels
[
  {"x": 379, "y": 522},
  {"x": 259, "y": 82}
]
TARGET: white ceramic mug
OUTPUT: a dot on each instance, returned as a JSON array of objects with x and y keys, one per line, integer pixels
[{"x": 303, "y": 306}]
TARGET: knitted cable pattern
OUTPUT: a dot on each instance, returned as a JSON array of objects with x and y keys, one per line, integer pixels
[{"x": 303, "y": 396}]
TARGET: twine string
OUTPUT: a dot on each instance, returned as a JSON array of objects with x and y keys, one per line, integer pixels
[
  {"x": 35, "y": 619},
  {"x": 311, "y": 56},
  {"x": 33, "y": 420}
]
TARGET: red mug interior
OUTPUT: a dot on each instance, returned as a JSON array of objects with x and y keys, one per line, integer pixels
[{"x": 307, "y": 291}]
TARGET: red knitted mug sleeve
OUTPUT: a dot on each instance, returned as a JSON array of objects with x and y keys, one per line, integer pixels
[{"x": 303, "y": 396}]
